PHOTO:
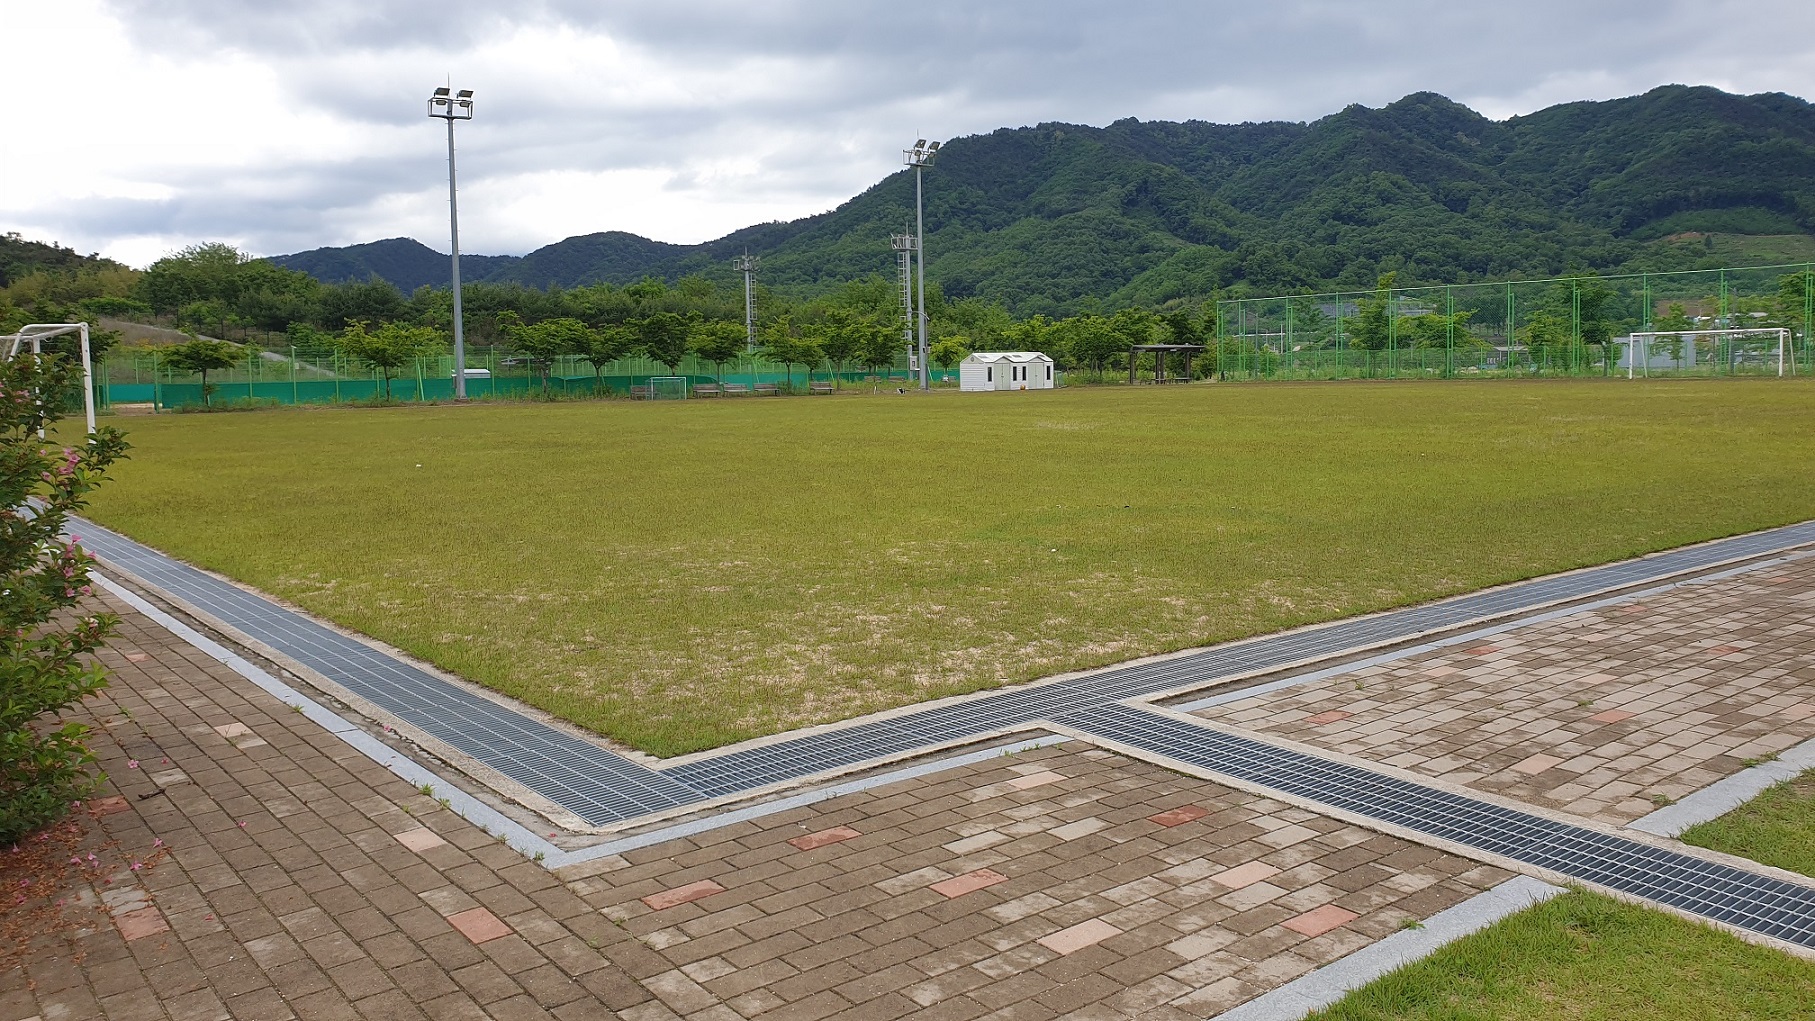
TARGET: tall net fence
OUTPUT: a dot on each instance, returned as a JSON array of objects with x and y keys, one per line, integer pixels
[
  {"x": 297, "y": 376},
  {"x": 1720, "y": 322}
]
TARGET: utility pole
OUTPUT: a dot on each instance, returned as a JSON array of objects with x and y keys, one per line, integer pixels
[
  {"x": 746, "y": 264},
  {"x": 920, "y": 157},
  {"x": 458, "y": 107}
]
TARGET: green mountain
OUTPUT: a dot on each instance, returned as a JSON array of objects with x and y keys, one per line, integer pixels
[
  {"x": 1045, "y": 217},
  {"x": 20, "y": 258}
]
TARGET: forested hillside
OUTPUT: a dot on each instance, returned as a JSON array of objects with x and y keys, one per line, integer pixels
[{"x": 1052, "y": 218}]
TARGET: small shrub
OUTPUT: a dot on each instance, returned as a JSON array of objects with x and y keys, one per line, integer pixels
[{"x": 44, "y": 767}]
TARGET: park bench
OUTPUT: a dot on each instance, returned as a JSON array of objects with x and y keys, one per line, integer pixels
[
  {"x": 821, "y": 388},
  {"x": 736, "y": 390},
  {"x": 766, "y": 389},
  {"x": 639, "y": 393},
  {"x": 706, "y": 390}
]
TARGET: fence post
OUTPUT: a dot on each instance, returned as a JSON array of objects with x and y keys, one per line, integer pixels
[{"x": 1449, "y": 300}]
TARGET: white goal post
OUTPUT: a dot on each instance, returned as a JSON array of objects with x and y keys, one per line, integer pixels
[
  {"x": 1639, "y": 344},
  {"x": 35, "y": 334},
  {"x": 667, "y": 388}
]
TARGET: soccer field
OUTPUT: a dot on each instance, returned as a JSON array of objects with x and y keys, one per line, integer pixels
[{"x": 682, "y": 575}]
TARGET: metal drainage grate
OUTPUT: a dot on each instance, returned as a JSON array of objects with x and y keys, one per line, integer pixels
[
  {"x": 1760, "y": 904},
  {"x": 602, "y": 787}
]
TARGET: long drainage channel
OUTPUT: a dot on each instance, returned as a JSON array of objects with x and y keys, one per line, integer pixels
[{"x": 603, "y": 787}]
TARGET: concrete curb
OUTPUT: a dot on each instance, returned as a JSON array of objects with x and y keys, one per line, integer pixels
[
  {"x": 1337, "y": 979},
  {"x": 1723, "y": 796}
]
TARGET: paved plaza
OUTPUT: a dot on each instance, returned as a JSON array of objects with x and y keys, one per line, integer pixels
[{"x": 248, "y": 863}]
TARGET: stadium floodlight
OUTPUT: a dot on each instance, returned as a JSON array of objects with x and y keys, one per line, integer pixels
[
  {"x": 746, "y": 264},
  {"x": 458, "y": 107},
  {"x": 920, "y": 157}
]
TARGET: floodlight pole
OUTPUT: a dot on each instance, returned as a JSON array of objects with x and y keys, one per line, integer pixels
[
  {"x": 920, "y": 157},
  {"x": 746, "y": 264},
  {"x": 451, "y": 109}
]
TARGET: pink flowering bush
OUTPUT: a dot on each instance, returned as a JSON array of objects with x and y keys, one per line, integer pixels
[{"x": 43, "y": 576}]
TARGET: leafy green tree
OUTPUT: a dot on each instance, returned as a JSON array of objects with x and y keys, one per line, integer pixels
[
  {"x": 784, "y": 343},
  {"x": 663, "y": 337},
  {"x": 546, "y": 341},
  {"x": 212, "y": 315},
  {"x": 1371, "y": 327},
  {"x": 882, "y": 343},
  {"x": 49, "y": 639},
  {"x": 1434, "y": 330},
  {"x": 952, "y": 350},
  {"x": 373, "y": 300},
  {"x": 841, "y": 339},
  {"x": 388, "y": 348},
  {"x": 202, "y": 357},
  {"x": 1789, "y": 307},
  {"x": 1547, "y": 336},
  {"x": 1596, "y": 317},
  {"x": 718, "y": 341},
  {"x": 604, "y": 345},
  {"x": 1091, "y": 340},
  {"x": 208, "y": 272}
]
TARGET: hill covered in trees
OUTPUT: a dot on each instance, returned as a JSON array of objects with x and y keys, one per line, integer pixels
[{"x": 1050, "y": 218}]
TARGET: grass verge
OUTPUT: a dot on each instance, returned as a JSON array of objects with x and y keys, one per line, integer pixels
[
  {"x": 680, "y": 575},
  {"x": 1583, "y": 956},
  {"x": 1775, "y": 828}
]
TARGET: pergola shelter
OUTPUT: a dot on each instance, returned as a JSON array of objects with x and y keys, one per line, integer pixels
[{"x": 1160, "y": 352}]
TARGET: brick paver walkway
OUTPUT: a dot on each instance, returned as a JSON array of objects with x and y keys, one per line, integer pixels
[
  {"x": 1606, "y": 714},
  {"x": 295, "y": 879},
  {"x": 282, "y": 874}
]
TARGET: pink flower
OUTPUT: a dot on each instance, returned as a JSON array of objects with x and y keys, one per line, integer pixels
[
  {"x": 137, "y": 866},
  {"x": 242, "y": 826},
  {"x": 159, "y": 842},
  {"x": 132, "y": 763}
]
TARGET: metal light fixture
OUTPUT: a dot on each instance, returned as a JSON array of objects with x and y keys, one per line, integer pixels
[
  {"x": 920, "y": 157},
  {"x": 457, "y": 107}
]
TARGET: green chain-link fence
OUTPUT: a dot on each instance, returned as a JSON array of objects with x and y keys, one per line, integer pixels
[{"x": 1577, "y": 325}]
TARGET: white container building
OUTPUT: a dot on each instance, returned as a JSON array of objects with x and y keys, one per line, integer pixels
[{"x": 1005, "y": 370}]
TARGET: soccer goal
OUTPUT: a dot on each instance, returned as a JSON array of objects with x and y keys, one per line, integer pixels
[
  {"x": 34, "y": 335},
  {"x": 667, "y": 388},
  {"x": 1760, "y": 349}
]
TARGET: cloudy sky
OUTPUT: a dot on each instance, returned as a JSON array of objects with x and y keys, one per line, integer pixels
[{"x": 138, "y": 126}]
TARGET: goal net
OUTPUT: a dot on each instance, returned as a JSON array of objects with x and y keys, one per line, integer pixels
[
  {"x": 667, "y": 388},
  {"x": 32, "y": 337},
  {"x": 1756, "y": 351}
]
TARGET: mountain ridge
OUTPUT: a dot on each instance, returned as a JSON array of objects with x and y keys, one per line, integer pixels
[{"x": 1042, "y": 217}]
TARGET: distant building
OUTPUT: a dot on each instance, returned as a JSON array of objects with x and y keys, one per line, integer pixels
[{"x": 1005, "y": 370}]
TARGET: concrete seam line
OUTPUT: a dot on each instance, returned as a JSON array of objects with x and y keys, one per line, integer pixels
[
  {"x": 1725, "y": 795},
  {"x": 1333, "y": 981}
]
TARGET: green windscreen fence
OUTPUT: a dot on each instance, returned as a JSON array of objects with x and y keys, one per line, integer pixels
[
  {"x": 1752, "y": 321},
  {"x": 312, "y": 377}
]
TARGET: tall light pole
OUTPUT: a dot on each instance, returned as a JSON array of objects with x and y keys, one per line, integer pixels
[
  {"x": 746, "y": 264},
  {"x": 458, "y": 107},
  {"x": 920, "y": 157}
]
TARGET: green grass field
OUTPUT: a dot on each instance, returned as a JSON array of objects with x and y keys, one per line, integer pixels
[
  {"x": 682, "y": 575},
  {"x": 1776, "y": 828},
  {"x": 1583, "y": 956}
]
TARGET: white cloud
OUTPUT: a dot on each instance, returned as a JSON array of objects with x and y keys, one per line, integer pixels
[{"x": 281, "y": 127}]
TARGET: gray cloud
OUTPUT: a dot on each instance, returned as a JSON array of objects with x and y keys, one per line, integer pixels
[{"x": 843, "y": 85}]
